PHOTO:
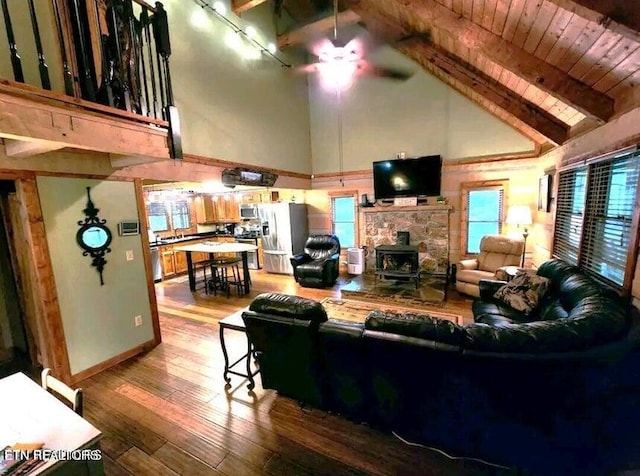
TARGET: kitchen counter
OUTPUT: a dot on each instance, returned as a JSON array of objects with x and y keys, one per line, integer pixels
[{"x": 186, "y": 239}]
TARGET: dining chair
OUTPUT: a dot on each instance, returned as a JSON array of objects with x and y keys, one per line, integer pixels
[{"x": 58, "y": 388}]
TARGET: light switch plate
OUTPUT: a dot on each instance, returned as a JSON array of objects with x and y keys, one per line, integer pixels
[{"x": 129, "y": 254}]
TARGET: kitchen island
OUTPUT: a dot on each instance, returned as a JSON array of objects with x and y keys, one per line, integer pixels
[{"x": 217, "y": 248}]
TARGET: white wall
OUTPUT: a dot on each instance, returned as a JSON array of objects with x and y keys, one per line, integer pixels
[
  {"x": 421, "y": 116},
  {"x": 249, "y": 111},
  {"x": 98, "y": 321}
]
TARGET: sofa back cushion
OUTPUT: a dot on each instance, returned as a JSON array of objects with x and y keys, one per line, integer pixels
[
  {"x": 595, "y": 320},
  {"x": 422, "y": 326},
  {"x": 497, "y": 251},
  {"x": 285, "y": 305}
]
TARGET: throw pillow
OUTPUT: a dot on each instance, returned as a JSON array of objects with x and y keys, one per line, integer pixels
[{"x": 523, "y": 292}]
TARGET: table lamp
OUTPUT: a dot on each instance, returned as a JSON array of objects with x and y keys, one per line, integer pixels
[{"x": 520, "y": 215}]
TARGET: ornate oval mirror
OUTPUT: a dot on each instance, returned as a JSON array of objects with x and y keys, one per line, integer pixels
[{"x": 93, "y": 236}]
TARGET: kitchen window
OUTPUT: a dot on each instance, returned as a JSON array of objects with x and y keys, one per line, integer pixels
[
  {"x": 180, "y": 215},
  {"x": 158, "y": 217},
  {"x": 343, "y": 216},
  {"x": 595, "y": 216},
  {"x": 483, "y": 206}
]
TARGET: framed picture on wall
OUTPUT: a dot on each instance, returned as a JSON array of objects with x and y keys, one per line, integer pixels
[{"x": 544, "y": 193}]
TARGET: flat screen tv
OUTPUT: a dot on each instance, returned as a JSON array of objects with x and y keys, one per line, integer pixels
[{"x": 407, "y": 177}]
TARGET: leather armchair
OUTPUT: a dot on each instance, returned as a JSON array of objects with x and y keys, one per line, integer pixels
[
  {"x": 318, "y": 266},
  {"x": 496, "y": 251}
]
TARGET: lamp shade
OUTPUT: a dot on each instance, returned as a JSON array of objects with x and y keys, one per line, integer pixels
[{"x": 519, "y": 215}]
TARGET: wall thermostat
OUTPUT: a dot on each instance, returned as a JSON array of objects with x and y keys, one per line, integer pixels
[{"x": 129, "y": 227}]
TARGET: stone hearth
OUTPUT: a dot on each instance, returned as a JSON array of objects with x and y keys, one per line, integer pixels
[
  {"x": 367, "y": 287},
  {"x": 428, "y": 226}
]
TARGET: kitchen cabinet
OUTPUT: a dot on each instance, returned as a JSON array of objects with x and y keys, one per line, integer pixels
[
  {"x": 168, "y": 264},
  {"x": 180, "y": 261},
  {"x": 205, "y": 209},
  {"x": 227, "y": 208},
  {"x": 251, "y": 197}
]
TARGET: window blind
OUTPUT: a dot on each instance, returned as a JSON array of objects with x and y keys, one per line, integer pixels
[
  {"x": 608, "y": 217},
  {"x": 569, "y": 214},
  {"x": 594, "y": 215}
]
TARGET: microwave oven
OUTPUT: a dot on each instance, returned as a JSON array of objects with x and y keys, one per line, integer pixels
[{"x": 248, "y": 211}]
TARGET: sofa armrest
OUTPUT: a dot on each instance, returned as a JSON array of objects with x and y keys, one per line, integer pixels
[
  {"x": 468, "y": 264},
  {"x": 488, "y": 288},
  {"x": 299, "y": 259}
]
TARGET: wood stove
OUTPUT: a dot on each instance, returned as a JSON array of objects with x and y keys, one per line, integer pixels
[{"x": 398, "y": 262}]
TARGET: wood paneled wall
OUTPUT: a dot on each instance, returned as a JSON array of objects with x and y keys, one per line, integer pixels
[{"x": 522, "y": 175}]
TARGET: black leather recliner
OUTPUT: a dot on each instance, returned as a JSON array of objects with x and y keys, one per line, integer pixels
[{"x": 318, "y": 266}]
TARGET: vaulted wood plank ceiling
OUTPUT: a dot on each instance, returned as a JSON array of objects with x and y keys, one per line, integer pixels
[{"x": 546, "y": 67}]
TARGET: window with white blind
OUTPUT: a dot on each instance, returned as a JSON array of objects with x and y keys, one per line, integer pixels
[
  {"x": 180, "y": 215},
  {"x": 572, "y": 186},
  {"x": 158, "y": 218},
  {"x": 485, "y": 210},
  {"x": 594, "y": 217},
  {"x": 343, "y": 211}
]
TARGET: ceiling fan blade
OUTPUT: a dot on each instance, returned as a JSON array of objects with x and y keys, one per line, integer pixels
[
  {"x": 368, "y": 69},
  {"x": 306, "y": 68}
]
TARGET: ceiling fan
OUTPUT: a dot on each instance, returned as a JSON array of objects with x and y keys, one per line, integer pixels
[{"x": 339, "y": 62}]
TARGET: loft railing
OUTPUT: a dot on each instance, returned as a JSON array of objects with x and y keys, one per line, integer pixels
[{"x": 111, "y": 52}]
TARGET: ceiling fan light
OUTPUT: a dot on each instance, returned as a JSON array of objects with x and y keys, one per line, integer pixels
[{"x": 337, "y": 74}]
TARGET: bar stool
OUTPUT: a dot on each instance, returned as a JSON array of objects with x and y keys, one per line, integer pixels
[
  {"x": 224, "y": 274},
  {"x": 204, "y": 264}
]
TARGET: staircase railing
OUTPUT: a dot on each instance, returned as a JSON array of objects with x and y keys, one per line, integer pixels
[{"x": 111, "y": 52}]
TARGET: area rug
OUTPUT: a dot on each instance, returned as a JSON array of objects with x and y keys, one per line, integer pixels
[
  {"x": 357, "y": 311},
  {"x": 404, "y": 293}
]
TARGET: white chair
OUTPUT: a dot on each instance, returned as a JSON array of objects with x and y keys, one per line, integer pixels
[
  {"x": 74, "y": 397},
  {"x": 496, "y": 252}
]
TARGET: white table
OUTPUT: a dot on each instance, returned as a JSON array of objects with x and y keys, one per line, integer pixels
[
  {"x": 30, "y": 415},
  {"x": 214, "y": 248}
]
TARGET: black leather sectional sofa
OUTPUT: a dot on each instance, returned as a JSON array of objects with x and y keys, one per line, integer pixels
[{"x": 556, "y": 392}]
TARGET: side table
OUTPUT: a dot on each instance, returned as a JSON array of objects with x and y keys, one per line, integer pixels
[{"x": 235, "y": 322}]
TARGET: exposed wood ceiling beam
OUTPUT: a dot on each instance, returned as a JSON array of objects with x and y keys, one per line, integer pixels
[
  {"x": 316, "y": 29},
  {"x": 427, "y": 14},
  {"x": 619, "y": 16},
  {"x": 21, "y": 149},
  {"x": 429, "y": 55},
  {"x": 240, "y": 6},
  {"x": 120, "y": 161},
  {"x": 300, "y": 10},
  {"x": 529, "y": 119}
]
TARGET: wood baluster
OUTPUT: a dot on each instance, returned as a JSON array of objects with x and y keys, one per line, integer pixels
[{"x": 13, "y": 48}]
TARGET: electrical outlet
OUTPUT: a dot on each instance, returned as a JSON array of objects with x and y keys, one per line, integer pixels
[
  {"x": 129, "y": 254},
  {"x": 138, "y": 320}
]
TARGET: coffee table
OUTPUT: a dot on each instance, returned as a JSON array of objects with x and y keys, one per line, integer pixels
[{"x": 234, "y": 322}]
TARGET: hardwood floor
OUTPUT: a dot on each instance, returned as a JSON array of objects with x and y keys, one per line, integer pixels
[{"x": 167, "y": 412}]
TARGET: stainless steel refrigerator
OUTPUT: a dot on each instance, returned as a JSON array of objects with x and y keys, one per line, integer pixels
[{"x": 284, "y": 232}]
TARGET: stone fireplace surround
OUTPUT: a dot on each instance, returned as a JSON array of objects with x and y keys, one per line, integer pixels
[{"x": 428, "y": 227}]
